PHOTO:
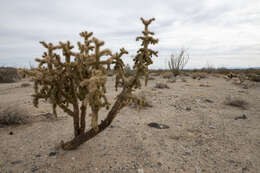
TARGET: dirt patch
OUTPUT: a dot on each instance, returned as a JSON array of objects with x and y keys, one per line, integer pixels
[{"x": 204, "y": 135}]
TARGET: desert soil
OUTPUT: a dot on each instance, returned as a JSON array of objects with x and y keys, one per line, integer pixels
[{"x": 203, "y": 135}]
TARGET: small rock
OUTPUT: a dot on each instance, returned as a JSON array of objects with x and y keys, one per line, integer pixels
[
  {"x": 188, "y": 108},
  {"x": 34, "y": 169},
  {"x": 245, "y": 87},
  {"x": 212, "y": 127},
  {"x": 161, "y": 86},
  {"x": 16, "y": 162},
  {"x": 158, "y": 126},
  {"x": 37, "y": 155},
  {"x": 244, "y": 170},
  {"x": 53, "y": 153},
  {"x": 159, "y": 164},
  {"x": 187, "y": 154},
  {"x": 210, "y": 101},
  {"x": 243, "y": 117}
]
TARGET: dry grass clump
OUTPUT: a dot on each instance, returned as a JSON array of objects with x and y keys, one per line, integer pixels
[
  {"x": 161, "y": 86},
  {"x": 128, "y": 71},
  {"x": 255, "y": 78},
  {"x": 198, "y": 76},
  {"x": 216, "y": 75},
  {"x": 144, "y": 100},
  {"x": 183, "y": 79},
  {"x": 25, "y": 85},
  {"x": 185, "y": 74},
  {"x": 8, "y": 75},
  {"x": 172, "y": 79},
  {"x": 155, "y": 73},
  {"x": 167, "y": 75},
  {"x": 13, "y": 116},
  {"x": 236, "y": 102}
]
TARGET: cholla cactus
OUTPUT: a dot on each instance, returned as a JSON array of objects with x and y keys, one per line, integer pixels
[{"x": 78, "y": 81}]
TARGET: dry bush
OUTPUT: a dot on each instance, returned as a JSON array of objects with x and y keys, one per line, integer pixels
[
  {"x": 8, "y": 75},
  {"x": 144, "y": 99},
  {"x": 223, "y": 70},
  {"x": 155, "y": 73},
  {"x": 216, "y": 75},
  {"x": 171, "y": 80},
  {"x": 13, "y": 116},
  {"x": 128, "y": 71},
  {"x": 167, "y": 75},
  {"x": 236, "y": 102},
  {"x": 161, "y": 86},
  {"x": 183, "y": 79},
  {"x": 25, "y": 85},
  {"x": 198, "y": 75},
  {"x": 194, "y": 75},
  {"x": 185, "y": 74},
  {"x": 177, "y": 63},
  {"x": 255, "y": 78}
]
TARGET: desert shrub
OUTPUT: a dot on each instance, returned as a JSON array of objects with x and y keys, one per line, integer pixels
[
  {"x": 8, "y": 75},
  {"x": 217, "y": 75},
  {"x": 155, "y": 73},
  {"x": 183, "y": 80},
  {"x": 128, "y": 71},
  {"x": 13, "y": 116},
  {"x": 203, "y": 75},
  {"x": 172, "y": 79},
  {"x": 255, "y": 78},
  {"x": 77, "y": 81},
  {"x": 144, "y": 100},
  {"x": 223, "y": 70},
  {"x": 237, "y": 102},
  {"x": 209, "y": 69},
  {"x": 161, "y": 86},
  {"x": 177, "y": 63},
  {"x": 185, "y": 74},
  {"x": 198, "y": 75},
  {"x": 167, "y": 75},
  {"x": 231, "y": 75}
]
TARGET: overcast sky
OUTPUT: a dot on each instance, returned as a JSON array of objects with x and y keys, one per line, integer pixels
[{"x": 215, "y": 32}]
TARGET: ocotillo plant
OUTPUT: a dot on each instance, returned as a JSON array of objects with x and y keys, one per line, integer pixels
[
  {"x": 177, "y": 63},
  {"x": 77, "y": 81}
]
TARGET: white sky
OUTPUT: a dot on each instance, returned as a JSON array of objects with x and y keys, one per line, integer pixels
[{"x": 215, "y": 32}]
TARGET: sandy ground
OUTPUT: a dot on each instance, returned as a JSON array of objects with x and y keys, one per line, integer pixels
[{"x": 203, "y": 135}]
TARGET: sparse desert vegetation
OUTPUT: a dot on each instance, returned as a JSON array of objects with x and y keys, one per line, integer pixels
[
  {"x": 9, "y": 75},
  {"x": 11, "y": 115},
  {"x": 212, "y": 124},
  {"x": 174, "y": 120}
]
